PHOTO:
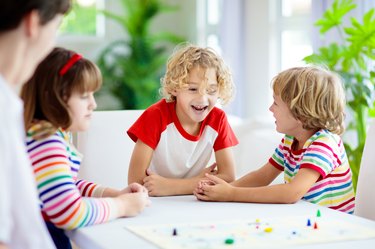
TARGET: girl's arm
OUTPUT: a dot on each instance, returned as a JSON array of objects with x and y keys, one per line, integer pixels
[
  {"x": 139, "y": 162},
  {"x": 62, "y": 201},
  {"x": 279, "y": 193},
  {"x": 61, "y": 198}
]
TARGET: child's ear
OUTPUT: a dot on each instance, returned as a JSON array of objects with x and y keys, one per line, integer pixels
[
  {"x": 173, "y": 92},
  {"x": 32, "y": 23}
]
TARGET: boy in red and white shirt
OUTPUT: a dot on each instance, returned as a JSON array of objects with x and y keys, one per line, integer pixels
[{"x": 176, "y": 136}]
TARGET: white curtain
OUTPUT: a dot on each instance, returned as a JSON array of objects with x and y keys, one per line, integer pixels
[{"x": 231, "y": 33}]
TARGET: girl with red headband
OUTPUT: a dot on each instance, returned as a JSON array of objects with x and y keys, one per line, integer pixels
[{"x": 60, "y": 97}]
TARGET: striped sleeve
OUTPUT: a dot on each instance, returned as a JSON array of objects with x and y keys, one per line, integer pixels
[
  {"x": 61, "y": 198},
  {"x": 277, "y": 159},
  {"x": 334, "y": 189},
  {"x": 321, "y": 156},
  {"x": 89, "y": 189}
]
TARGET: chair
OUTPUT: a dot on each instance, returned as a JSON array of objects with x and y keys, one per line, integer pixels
[
  {"x": 257, "y": 142},
  {"x": 365, "y": 197},
  {"x": 106, "y": 148}
]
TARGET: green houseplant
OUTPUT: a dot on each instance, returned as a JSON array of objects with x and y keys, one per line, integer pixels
[
  {"x": 354, "y": 59},
  {"x": 132, "y": 67}
]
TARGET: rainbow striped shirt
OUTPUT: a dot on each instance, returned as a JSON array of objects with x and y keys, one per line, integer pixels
[
  {"x": 66, "y": 201},
  {"x": 325, "y": 153}
]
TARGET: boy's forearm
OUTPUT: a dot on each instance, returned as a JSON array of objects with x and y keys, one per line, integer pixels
[
  {"x": 136, "y": 178},
  {"x": 280, "y": 193},
  {"x": 226, "y": 177},
  {"x": 182, "y": 186},
  {"x": 187, "y": 186}
]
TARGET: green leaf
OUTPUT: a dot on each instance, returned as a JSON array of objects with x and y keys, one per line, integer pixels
[
  {"x": 132, "y": 67},
  {"x": 354, "y": 60},
  {"x": 332, "y": 17}
]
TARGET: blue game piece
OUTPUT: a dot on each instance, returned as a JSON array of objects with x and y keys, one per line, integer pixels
[{"x": 308, "y": 222}]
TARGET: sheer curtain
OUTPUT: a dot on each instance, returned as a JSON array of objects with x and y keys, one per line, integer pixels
[{"x": 231, "y": 33}]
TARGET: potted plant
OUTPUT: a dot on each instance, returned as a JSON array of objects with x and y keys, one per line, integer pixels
[
  {"x": 132, "y": 68},
  {"x": 353, "y": 58}
]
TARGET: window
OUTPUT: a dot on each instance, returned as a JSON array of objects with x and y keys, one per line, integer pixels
[
  {"x": 295, "y": 40},
  {"x": 84, "y": 19},
  {"x": 208, "y": 15}
]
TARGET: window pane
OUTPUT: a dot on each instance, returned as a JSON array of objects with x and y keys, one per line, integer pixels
[
  {"x": 213, "y": 12},
  {"x": 295, "y": 46},
  {"x": 295, "y": 7},
  {"x": 82, "y": 19}
]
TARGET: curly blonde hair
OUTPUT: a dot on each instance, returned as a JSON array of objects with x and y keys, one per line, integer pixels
[
  {"x": 187, "y": 56},
  {"x": 315, "y": 96}
]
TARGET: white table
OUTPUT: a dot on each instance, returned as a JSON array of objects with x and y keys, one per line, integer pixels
[{"x": 183, "y": 209}]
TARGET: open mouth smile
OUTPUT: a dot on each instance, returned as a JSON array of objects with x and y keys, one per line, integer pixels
[{"x": 199, "y": 108}]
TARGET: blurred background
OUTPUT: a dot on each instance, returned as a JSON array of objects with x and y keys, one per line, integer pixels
[
  {"x": 130, "y": 40},
  {"x": 257, "y": 39}
]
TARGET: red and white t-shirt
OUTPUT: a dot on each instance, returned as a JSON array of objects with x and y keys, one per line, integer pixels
[{"x": 178, "y": 154}]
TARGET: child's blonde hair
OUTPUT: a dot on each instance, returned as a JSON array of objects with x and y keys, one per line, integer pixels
[
  {"x": 188, "y": 56},
  {"x": 315, "y": 97}
]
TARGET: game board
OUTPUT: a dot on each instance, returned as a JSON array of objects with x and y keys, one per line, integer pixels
[{"x": 257, "y": 233}]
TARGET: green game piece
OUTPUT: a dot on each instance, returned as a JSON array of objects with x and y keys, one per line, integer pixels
[
  {"x": 229, "y": 241},
  {"x": 318, "y": 213}
]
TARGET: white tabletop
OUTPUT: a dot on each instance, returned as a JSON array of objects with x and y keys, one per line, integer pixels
[{"x": 186, "y": 209}]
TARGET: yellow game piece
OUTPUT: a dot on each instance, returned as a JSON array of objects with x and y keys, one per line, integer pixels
[{"x": 268, "y": 229}]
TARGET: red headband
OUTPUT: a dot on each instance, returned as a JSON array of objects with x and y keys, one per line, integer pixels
[{"x": 70, "y": 63}]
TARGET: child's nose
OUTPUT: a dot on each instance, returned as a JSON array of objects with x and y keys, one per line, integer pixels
[
  {"x": 93, "y": 104},
  {"x": 203, "y": 92},
  {"x": 203, "y": 95}
]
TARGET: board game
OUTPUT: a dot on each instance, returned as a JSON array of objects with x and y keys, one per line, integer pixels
[{"x": 258, "y": 233}]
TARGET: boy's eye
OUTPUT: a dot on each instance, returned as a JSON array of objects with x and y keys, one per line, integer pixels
[
  {"x": 212, "y": 91},
  {"x": 192, "y": 89}
]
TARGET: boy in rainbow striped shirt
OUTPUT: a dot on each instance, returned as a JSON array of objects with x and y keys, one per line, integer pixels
[
  {"x": 61, "y": 94},
  {"x": 308, "y": 107}
]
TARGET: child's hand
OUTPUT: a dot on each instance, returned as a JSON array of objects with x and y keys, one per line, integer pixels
[
  {"x": 201, "y": 183},
  {"x": 131, "y": 204},
  {"x": 134, "y": 188},
  {"x": 156, "y": 184},
  {"x": 213, "y": 189},
  {"x": 209, "y": 170}
]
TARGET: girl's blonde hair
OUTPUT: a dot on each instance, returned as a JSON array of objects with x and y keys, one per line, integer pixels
[
  {"x": 315, "y": 97},
  {"x": 187, "y": 56}
]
